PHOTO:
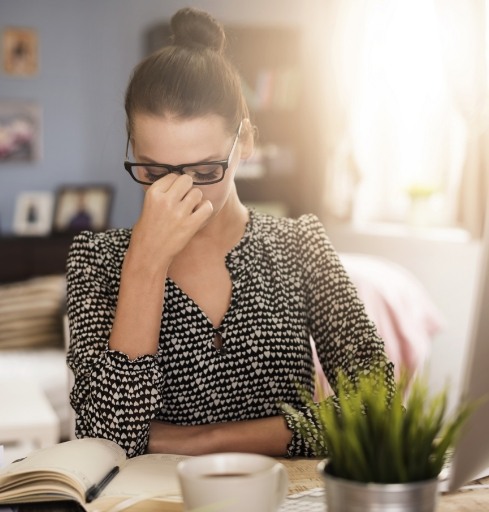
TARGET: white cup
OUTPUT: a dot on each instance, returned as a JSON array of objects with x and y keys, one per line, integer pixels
[{"x": 232, "y": 482}]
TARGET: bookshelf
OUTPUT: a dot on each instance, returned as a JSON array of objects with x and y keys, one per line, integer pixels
[{"x": 283, "y": 175}]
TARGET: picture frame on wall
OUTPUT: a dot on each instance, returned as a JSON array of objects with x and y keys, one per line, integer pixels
[
  {"x": 78, "y": 208},
  {"x": 20, "y": 131},
  {"x": 33, "y": 213},
  {"x": 20, "y": 51}
]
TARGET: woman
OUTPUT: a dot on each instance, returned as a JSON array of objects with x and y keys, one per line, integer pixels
[{"x": 188, "y": 331}]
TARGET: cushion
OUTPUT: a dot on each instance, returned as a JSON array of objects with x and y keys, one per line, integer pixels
[
  {"x": 31, "y": 312},
  {"x": 46, "y": 366}
]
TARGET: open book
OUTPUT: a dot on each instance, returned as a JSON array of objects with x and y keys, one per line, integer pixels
[{"x": 73, "y": 470}]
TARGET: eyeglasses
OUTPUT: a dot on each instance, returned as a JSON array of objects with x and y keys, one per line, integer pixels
[{"x": 202, "y": 173}]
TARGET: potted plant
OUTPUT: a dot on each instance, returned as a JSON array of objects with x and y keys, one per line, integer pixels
[{"x": 384, "y": 451}]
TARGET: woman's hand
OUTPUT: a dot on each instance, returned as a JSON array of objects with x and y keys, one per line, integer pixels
[
  {"x": 269, "y": 436},
  {"x": 173, "y": 212}
]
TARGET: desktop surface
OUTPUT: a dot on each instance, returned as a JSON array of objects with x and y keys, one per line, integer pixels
[{"x": 306, "y": 494}]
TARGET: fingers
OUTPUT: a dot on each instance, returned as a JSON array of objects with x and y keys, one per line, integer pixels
[
  {"x": 164, "y": 184},
  {"x": 203, "y": 212},
  {"x": 181, "y": 187},
  {"x": 182, "y": 191},
  {"x": 175, "y": 184},
  {"x": 173, "y": 212},
  {"x": 192, "y": 199},
  {"x": 179, "y": 195}
]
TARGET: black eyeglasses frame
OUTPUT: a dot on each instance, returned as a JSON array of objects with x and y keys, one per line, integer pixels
[{"x": 178, "y": 169}]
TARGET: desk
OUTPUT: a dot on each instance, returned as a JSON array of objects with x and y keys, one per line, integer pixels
[
  {"x": 303, "y": 476},
  {"x": 302, "y": 473}
]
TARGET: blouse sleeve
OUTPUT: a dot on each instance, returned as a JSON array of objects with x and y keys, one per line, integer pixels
[
  {"x": 346, "y": 339},
  {"x": 113, "y": 397}
]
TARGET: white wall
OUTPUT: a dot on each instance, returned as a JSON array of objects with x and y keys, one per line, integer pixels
[{"x": 446, "y": 263}]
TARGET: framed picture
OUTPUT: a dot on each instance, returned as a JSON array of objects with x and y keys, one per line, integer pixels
[
  {"x": 79, "y": 208},
  {"x": 20, "y": 131},
  {"x": 33, "y": 213},
  {"x": 20, "y": 51}
]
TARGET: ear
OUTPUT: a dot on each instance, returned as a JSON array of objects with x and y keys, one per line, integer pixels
[{"x": 247, "y": 142}]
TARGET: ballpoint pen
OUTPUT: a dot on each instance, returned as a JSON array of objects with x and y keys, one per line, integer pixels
[{"x": 94, "y": 491}]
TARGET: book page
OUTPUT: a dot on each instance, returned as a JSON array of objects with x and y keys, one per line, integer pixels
[
  {"x": 133, "y": 504},
  {"x": 144, "y": 480},
  {"x": 154, "y": 474},
  {"x": 82, "y": 461}
]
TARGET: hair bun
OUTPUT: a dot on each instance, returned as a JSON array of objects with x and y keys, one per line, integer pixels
[{"x": 193, "y": 28}]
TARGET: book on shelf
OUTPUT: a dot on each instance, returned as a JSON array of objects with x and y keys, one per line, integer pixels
[
  {"x": 96, "y": 474},
  {"x": 274, "y": 88}
]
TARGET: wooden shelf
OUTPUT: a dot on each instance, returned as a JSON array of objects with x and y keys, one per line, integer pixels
[{"x": 23, "y": 257}]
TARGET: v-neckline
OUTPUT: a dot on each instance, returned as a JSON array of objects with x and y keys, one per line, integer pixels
[
  {"x": 196, "y": 306},
  {"x": 229, "y": 263}
]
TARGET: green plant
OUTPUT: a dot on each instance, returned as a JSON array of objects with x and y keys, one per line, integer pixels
[
  {"x": 369, "y": 434},
  {"x": 420, "y": 191}
]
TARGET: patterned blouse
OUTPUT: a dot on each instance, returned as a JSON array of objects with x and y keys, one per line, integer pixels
[{"x": 288, "y": 285}]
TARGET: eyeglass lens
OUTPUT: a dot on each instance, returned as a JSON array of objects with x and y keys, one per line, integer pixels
[{"x": 202, "y": 173}]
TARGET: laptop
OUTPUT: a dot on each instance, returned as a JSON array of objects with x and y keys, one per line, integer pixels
[{"x": 471, "y": 454}]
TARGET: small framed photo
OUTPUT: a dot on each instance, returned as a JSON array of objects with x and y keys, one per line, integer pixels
[
  {"x": 20, "y": 131},
  {"x": 33, "y": 213},
  {"x": 79, "y": 208},
  {"x": 20, "y": 51}
]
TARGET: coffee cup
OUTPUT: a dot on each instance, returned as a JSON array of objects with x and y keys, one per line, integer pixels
[{"x": 232, "y": 482}]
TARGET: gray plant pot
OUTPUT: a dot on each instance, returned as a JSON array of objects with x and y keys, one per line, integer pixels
[{"x": 349, "y": 496}]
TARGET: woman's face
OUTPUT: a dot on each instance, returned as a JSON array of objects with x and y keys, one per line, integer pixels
[{"x": 175, "y": 141}]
